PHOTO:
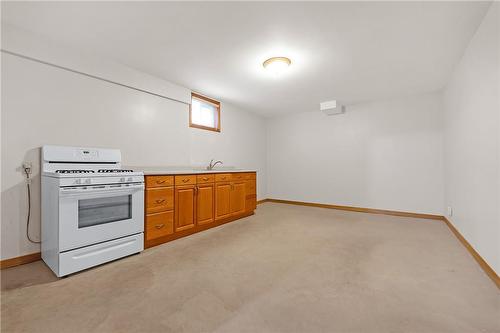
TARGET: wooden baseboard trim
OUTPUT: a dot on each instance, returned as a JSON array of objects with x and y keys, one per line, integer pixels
[
  {"x": 20, "y": 260},
  {"x": 262, "y": 201},
  {"x": 483, "y": 264},
  {"x": 357, "y": 209}
]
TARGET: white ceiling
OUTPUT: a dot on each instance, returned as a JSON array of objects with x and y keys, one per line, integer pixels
[{"x": 349, "y": 51}]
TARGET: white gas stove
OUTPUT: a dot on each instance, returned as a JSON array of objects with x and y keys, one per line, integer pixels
[{"x": 92, "y": 209}]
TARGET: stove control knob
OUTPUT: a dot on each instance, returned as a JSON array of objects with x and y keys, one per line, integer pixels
[
  {"x": 87, "y": 181},
  {"x": 122, "y": 179},
  {"x": 130, "y": 179},
  {"x": 78, "y": 181}
]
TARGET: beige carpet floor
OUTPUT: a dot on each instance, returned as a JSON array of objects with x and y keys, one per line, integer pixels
[{"x": 286, "y": 269}]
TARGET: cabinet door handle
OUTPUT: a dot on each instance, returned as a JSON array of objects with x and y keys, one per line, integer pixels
[
  {"x": 196, "y": 190},
  {"x": 160, "y": 201},
  {"x": 159, "y": 226}
]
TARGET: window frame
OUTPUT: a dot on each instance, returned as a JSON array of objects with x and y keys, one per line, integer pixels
[{"x": 206, "y": 100}]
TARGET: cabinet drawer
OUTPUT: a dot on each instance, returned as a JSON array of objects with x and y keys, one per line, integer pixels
[
  {"x": 238, "y": 176},
  {"x": 250, "y": 176},
  {"x": 159, "y": 225},
  {"x": 247, "y": 176},
  {"x": 185, "y": 180},
  {"x": 159, "y": 199},
  {"x": 202, "y": 179},
  {"x": 222, "y": 177},
  {"x": 159, "y": 181}
]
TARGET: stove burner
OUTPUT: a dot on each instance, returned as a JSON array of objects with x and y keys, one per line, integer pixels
[
  {"x": 74, "y": 171},
  {"x": 113, "y": 170}
]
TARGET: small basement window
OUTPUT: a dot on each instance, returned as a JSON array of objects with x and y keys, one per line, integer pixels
[{"x": 204, "y": 113}]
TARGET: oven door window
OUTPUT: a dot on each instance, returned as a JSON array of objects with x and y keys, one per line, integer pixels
[{"x": 104, "y": 210}]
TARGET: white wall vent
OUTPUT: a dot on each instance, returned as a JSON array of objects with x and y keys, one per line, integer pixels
[{"x": 331, "y": 108}]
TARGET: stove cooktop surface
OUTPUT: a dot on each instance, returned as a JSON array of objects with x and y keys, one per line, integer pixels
[
  {"x": 88, "y": 173},
  {"x": 73, "y": 171}
]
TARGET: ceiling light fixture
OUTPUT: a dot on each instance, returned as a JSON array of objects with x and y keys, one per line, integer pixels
[{"x": 276, "y": 65}]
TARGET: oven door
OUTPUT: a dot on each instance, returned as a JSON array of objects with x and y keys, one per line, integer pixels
[{"x": 94, "y": 214}]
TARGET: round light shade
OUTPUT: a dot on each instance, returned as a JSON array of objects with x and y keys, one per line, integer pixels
[{"x": 277, "y": 65}]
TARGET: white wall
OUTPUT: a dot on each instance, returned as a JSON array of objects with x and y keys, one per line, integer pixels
[
  {"x": 27, "y": 44},
  {"x": 42, "y": 104},
  {"x": 472, "y": 141},
  {"x": 386, "y": 155}
]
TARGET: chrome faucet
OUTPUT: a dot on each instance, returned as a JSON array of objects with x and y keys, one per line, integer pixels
[{"x": 212, "y": 165}]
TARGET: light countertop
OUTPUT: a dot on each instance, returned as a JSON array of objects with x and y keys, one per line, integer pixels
[{"x": 166, "y": 170}]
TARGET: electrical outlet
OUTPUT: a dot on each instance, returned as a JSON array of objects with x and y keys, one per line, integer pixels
[
  {"x": 449, "y": 211},
  {"x": 28, "y": 167}
]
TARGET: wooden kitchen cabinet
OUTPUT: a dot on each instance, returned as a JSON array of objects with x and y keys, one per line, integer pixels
[
  {"x": 159, "y": 181},
  {"x": 185, "y": 180},
  {"x": 159, "y": 224},
  {"x": 203, "y": 179},
  {"x": 222, "y": 200},
  {"x": 238, "y": 197},
  {"x": 205, "y": 200},
  {"x": 185, "y": 207},
  {"x": 251, "y": 195},
  {"x": 222, "y": 177},
  {"x": 159, "y": 199},
  {"x": 179, "y": 205},
  {"x": 159, "y": 210},
  {"x": 230, "y": 198}
]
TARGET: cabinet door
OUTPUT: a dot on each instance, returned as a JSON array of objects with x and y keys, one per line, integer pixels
[
  {"x": 238, "y": 197},
  {"x": 222, "y": 197},
  {"x": 185, "y": 206},
  {"x": 205, "y": 204},
  {"x": 251, "y": 187},
  {"x": 251, "y": 192}
]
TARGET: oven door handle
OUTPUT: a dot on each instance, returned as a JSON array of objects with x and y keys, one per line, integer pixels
[{"x": 108, "y": 189}]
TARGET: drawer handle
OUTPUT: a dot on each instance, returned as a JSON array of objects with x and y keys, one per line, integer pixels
[
  {"x": 223, "y": 178},
  {"x": 160, "y": 201},
  {"x": 205, "y": 178},
  {"x": 185, "y": 180},
  {"x": 160, "y": 181},
  {"x": 159, "y": 226}
]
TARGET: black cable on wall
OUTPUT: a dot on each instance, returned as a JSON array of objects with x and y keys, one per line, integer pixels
[{"x": 27, "y": 171}]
